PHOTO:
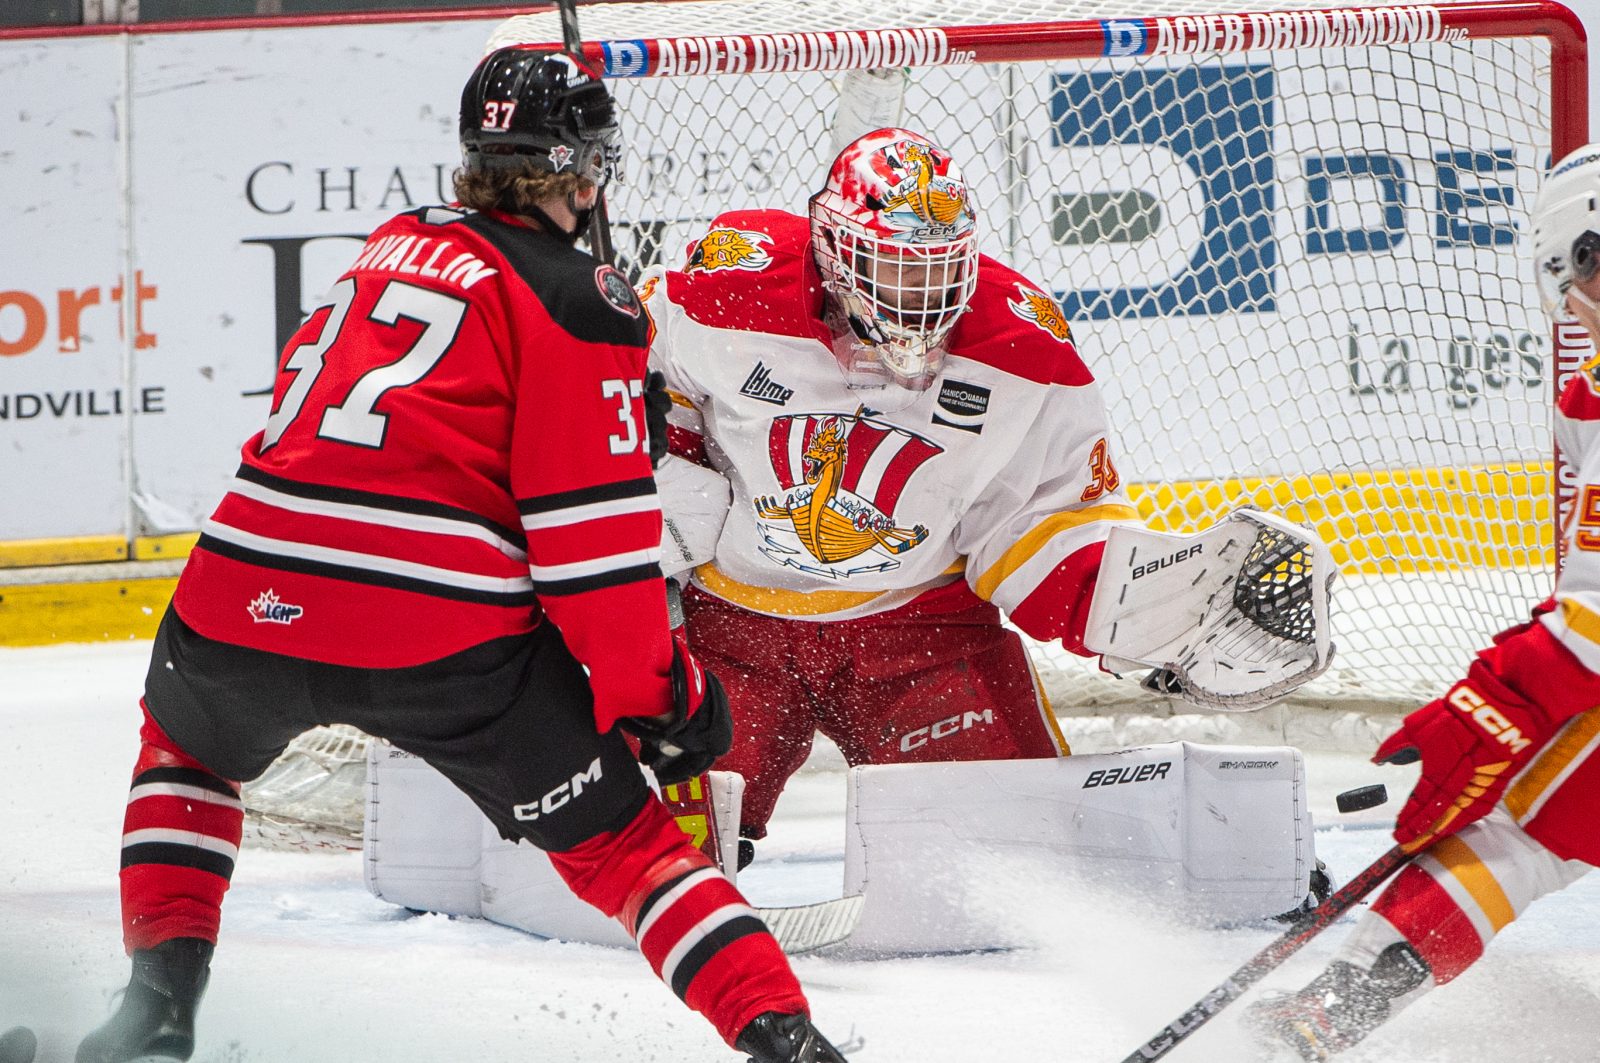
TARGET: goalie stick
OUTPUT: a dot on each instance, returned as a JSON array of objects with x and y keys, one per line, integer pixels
[
  {"x": 1268, "y": 959},
  {"x": 805, "y": 928}
]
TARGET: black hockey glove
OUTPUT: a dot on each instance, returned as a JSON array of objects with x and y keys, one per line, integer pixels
[
  {"x": 656, "y": 404},
  {"x": 699, "y": 731}
]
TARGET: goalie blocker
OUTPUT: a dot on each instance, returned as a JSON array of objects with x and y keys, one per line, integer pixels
[
  {"x": 1231, "y": 618},
  {"x": 937, "y": 851}
]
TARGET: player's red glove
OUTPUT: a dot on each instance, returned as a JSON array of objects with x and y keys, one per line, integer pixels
[
  {"x": 1471, "y": 742},
  {"x": 687, "y": 741}
]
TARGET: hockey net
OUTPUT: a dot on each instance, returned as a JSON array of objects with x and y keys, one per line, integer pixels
[{"x": 1288, "y": 243}]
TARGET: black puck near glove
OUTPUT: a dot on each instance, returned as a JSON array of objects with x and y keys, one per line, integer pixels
[{"x": 699, "y": 729}]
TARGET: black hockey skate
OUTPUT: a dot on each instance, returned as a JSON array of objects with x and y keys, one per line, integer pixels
[
  {"x": 156, "y": 1019},
  {"x": 1341, "y": 1006},
  {"x": 775, "y": 1038}
]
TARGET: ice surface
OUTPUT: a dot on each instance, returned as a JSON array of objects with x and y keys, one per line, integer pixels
[{"x": 312, "y": 969}]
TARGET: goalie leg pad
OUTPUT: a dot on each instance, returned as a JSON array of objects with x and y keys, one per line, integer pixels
[{"x": 1222, "y": 832}]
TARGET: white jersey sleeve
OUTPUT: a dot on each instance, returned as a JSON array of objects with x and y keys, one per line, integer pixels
[{"x": 1034, "y": 535}]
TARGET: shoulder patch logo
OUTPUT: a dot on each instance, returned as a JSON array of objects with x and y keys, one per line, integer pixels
[
  {"x": 1039, "y": 308},
  {"x": 961, "y": 406},
  {"x": 729, "y": 249},
  {"x": 615, "y": 289}
]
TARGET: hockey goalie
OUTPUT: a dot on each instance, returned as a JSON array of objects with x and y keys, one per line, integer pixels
[{"x": 883, "y": 442}]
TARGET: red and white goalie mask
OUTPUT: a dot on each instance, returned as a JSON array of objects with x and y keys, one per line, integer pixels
[{"x": 894, "y": 232}]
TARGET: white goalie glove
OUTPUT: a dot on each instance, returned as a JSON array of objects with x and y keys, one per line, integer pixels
[
  {"x": 694, "y": 506},
  {"x": 1231, "y": 618}
]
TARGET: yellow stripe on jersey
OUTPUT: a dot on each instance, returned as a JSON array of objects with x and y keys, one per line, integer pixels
[
  {"x": 1581, "y": 621},
  {"x": 1549, "y": 765},
  {"x": 1479, "y": 882},
  {"x": 1030, "y": 544},
  {"x": 776, "y": 601}
]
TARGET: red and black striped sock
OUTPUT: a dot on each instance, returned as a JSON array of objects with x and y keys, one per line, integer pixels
[
  {"x": 180, "y": 838},
  {"x": 693, "y": 926}
]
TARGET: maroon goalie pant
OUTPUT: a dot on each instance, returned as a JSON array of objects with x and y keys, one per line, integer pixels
[{"x": 937, "y": 679}]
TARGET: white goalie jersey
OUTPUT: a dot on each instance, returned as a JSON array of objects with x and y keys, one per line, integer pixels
[{"x": 848, "y": 502}]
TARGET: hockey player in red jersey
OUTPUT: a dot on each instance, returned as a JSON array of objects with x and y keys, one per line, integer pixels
[
  {"x": 914, "y": 446},
  {"x": 448, "y": 536},
  {"x": 1506, "y": 808}
]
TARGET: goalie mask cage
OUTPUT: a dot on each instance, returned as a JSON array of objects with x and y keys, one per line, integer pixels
[{"x": 1291, "y": 246}]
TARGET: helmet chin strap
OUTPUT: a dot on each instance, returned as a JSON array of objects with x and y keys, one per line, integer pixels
[{"x": 549, "y": 225}]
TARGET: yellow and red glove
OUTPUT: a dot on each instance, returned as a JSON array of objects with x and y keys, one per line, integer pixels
[{"x": 1471, "y": 742}]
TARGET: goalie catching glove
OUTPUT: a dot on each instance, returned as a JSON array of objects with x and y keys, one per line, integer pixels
[
  {"x": 679, "y": 745},
  {"x": 1231, "y": 618}
]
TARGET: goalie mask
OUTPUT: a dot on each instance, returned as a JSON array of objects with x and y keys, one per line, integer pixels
[
  {"x": 549, "y": 110},
  {"x": 1566, "y": 228},
  {"x": 894, "y": 232}
]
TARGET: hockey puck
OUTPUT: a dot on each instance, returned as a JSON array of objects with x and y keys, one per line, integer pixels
[
  {"x": 17, "y": 1045},
  {"x": 1362, "y": 797}
]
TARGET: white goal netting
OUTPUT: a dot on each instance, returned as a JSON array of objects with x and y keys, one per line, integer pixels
[{"x": 1291, "y": 248}]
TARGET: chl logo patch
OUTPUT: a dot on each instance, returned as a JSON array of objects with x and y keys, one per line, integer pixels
[
  {"x": 961, "y": 406},
  {"x": 268, "y": 608},
  {"x": 616, "y": 290}
]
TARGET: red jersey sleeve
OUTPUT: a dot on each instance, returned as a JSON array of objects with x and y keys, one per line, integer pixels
[{"x": 580, "y": 472}]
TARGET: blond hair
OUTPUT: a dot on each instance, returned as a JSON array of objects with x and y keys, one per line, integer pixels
[{"x": 513, "y": 192}]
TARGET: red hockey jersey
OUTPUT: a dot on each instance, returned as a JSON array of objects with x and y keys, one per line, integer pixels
[{"x": 456, "y": 449}]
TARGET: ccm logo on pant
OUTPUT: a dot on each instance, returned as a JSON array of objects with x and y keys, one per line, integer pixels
[
  {"x": 944, "y": 729},
  {"x": 1118, "y": 776},
  {"x": 567, "y": 791}
]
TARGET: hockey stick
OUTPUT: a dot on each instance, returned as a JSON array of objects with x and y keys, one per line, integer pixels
[
  {"x": 1268, "y": 959},
  {"x": 599, "y": 224},
  {"x": 804, "y": 928}
]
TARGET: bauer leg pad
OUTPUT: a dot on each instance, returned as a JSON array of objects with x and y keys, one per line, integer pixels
[{"x": 1220, "y": 832}]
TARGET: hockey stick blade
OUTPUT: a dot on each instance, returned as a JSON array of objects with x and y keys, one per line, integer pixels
[
  {"x": 1268, "y": 959},
  {"x": 807, "y": 927}
]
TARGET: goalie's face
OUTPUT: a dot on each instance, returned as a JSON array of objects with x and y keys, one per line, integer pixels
[{"x": 894, "y": 232}]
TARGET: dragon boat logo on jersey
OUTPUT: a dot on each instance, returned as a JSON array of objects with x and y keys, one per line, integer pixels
[
  {"x": 1039, "y": 308},
  {"x": 268, "y": 608},
  {"x": 842, "y": 476},
  {"x": 729, "y": 249}
]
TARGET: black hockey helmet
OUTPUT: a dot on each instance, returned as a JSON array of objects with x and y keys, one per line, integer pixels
[{"x": 543, "y": 107}]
